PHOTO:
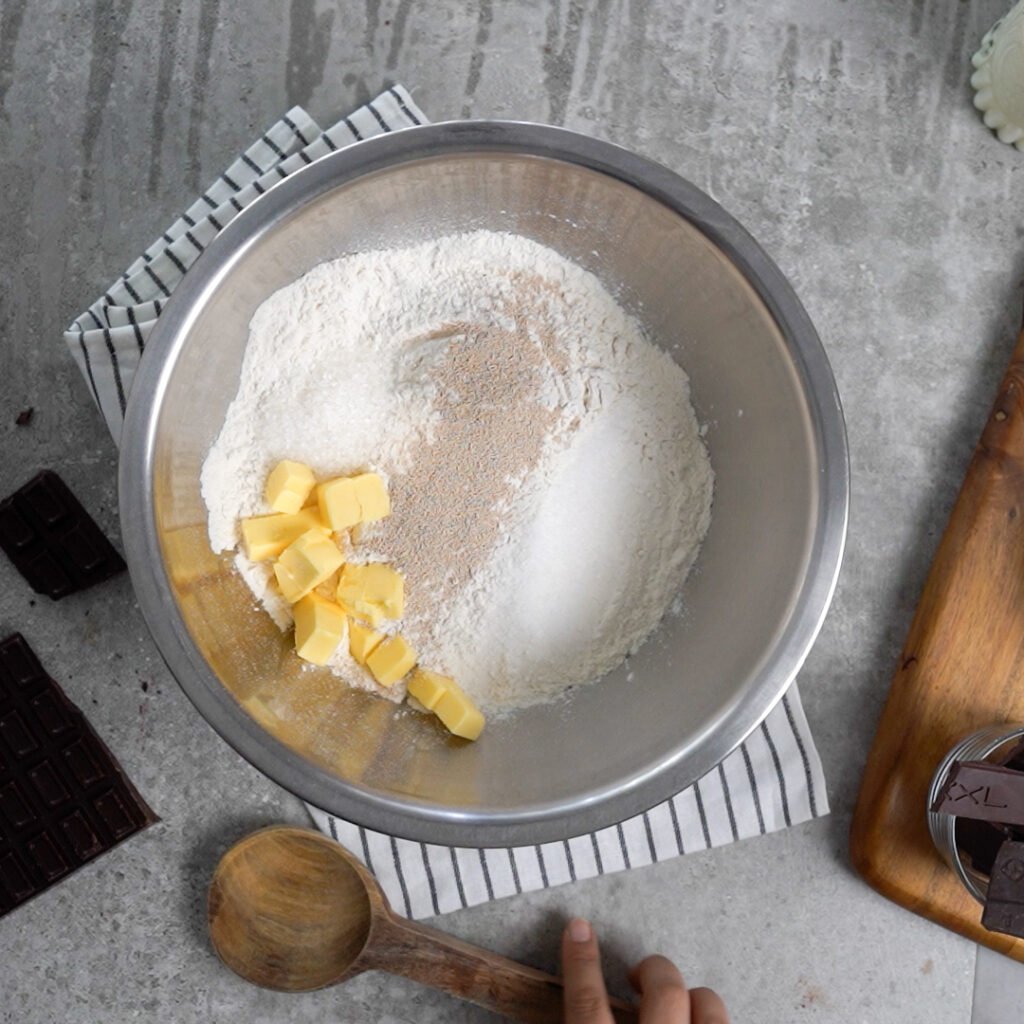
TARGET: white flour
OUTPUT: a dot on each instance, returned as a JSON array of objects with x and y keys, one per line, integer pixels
[{"x": 549, "y": 483}]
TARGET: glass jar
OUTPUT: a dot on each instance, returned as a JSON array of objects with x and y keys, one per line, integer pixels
[{"x": 987, "y": 744}]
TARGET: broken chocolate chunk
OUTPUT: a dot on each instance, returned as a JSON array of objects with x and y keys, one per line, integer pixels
[
  {"x": 1014, "y": 757},
  {"x": 1004, "y": 905},
  {"x": 979, "y": 842},
  {"x": 52, "y": 541},
  {"x": 63, "y": 798}
]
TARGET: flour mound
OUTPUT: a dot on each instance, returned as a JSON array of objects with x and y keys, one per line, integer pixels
[{"x": 549, "y": 485}]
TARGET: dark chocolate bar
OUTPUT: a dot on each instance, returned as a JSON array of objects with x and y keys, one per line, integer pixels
[
  {"x": 1004, "y": 905},
  {"x": 52, "y": 541},
  {"x": 982, "y": 792},
  {"x": 63, "y": 798}
]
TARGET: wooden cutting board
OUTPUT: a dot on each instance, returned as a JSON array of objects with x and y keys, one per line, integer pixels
[{"x": 961, "y": 668}]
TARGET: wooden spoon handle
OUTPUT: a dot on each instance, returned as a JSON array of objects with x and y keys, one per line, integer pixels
[{"x": 502, "y": 985}]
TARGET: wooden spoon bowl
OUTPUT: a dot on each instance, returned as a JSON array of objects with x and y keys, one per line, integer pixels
[
  {"x": 289, "y": 909},
  {"x": 287, "y": 912}
]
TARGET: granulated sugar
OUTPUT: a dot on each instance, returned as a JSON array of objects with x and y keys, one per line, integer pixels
[{"x": 549, "y": 486}]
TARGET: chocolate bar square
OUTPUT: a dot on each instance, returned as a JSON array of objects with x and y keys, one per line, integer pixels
[
  {"x": 63, "y": 798},
  {"x": 1004, "y": 904},
  {"x": 52, "y": 541},
  {"x": 983, "y": 792}
]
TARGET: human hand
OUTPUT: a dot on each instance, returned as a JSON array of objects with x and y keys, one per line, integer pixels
[{"x": 664, "y": 997}]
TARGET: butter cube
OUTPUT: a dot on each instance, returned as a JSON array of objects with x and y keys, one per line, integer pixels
[
  {"x": 267, "y": 536},
  {"x": 373, "y": 591},
  {"x": 329, "y": 587},
  {"x": 460, "y": 715},
  {"x": 347, "y": 501},
  {"x": 319, "y": 627},
  {"x": 391, "y": 659},
  {"x": 362, "y": 641},
  {"x": 288, "y": 486},
  {"x": 445, "y": 698},
  {"x": 428, "y": 687},
  {"x": 371, "y": 613},
  {"x": 339, "y": 505},
  {"x": 305, "y": 563},
  {"x": 372, "y": 494}
]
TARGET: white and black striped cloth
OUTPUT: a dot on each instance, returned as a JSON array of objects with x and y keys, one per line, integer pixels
[
  {"x": 107, "y": 340},
  {"x": 773, "y": 780}
]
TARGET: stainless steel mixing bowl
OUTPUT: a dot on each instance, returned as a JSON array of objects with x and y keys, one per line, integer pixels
[{"x": 753, "y": 605}]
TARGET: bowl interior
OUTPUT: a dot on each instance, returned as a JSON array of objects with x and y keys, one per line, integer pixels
[{"x": 665, "y": 707}]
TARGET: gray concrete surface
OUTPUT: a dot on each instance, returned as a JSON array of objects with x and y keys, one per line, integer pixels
[{"x": 840, "y": 133}]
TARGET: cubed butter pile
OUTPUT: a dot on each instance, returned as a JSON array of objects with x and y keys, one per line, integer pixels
[{"x": 305, "y": 537}]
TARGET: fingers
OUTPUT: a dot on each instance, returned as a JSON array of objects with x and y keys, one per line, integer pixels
[
  {"x": 663, "y": 995},
  {"x": 706, "y": 1007},
  {"x": 585, "y": 1000},
  {"x": 665, "y": 1000}
]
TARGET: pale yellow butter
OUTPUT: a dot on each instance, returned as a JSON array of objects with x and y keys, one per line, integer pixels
[
  {"x": 288, "y": 486},
  {"x": 362, "y": 641},
  {"x": 339, "y": 506},
  {"x": 459, "y": 714},
  {"x": 445, "y": 698},
  {"x": 391, "y": 660},
  {"x": 347, "y": 501},
  {"x": 305, "y": 563},
  {"x": 371, "y": 613},
  {"x": 267, "y": 536},
  {"x": 372, "y": 493},
  {"x": 319, "y": 627},
  {"x": 427, "y": 687},
  {"x": 374, "y": 591}
]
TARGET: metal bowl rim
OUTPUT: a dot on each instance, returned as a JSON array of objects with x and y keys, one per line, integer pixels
[{"x": 419, "y": 820}]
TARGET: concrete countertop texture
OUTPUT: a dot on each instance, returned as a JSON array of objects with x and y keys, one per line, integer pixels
[{"x": 841, "y": 134}]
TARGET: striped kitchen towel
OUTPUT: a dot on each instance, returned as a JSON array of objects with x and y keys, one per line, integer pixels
[{"x": 771, "y": 781}]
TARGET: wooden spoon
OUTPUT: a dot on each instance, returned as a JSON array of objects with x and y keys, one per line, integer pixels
[{"x": 291, "y": 910}]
